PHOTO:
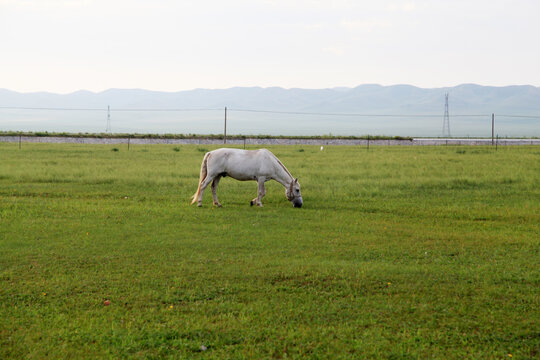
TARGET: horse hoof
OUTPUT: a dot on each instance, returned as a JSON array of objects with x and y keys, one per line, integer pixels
[
  {"x": 251, "y": 203},
  {"x": 199, "y": 205}
]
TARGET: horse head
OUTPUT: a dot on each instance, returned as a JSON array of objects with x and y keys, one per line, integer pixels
[{"x": 293, "y": 193}]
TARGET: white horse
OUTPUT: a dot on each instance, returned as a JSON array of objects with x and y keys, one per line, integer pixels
[{"x": 259, "y": 165}]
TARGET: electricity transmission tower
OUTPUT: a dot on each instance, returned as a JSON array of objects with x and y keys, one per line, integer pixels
[
  {"x": 108, "y": 129},
  {"x": 446, "y": 120}
]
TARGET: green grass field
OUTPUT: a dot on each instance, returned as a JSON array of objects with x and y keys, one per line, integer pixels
[{"x": 397, "y": 253}]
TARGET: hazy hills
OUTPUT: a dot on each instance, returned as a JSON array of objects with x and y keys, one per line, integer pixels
[
  {"x": 361, "y": 99},
  {"x": 406, "y": 100}
]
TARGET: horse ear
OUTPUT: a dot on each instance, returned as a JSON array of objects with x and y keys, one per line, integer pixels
[{"x": 296, "y": 180}]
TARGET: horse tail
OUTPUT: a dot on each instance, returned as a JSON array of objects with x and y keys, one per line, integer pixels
[{"x": 204, "y": 172}]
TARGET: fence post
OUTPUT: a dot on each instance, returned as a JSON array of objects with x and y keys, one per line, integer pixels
[{"x": 368, "y": 143}]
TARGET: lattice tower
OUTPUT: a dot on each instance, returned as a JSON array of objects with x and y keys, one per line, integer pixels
[
  {"x": 446, "y": 119},
  {"x": 108, "y": 129}
]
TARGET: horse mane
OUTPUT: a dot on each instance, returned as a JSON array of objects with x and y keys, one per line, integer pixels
[{"x": 281, "y": 164}]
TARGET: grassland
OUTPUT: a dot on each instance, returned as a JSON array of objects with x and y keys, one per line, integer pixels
[{"x": 398, "y": 253}]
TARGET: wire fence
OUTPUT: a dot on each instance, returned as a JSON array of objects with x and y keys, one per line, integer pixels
[{"x": 242, "y": 121}]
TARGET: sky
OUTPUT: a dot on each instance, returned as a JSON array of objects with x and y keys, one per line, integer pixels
[{"x": 63, "y": 46}]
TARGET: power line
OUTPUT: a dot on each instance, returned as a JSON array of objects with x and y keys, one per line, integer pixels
[
  {"x": 51, "y": 109},
  {"x": 164, "y": 110},
  {"x": 520, "y": 116},
  {"x": 100, "y": 109},
  {"x": 104, "y": 109},
  {"x": 351, "y": 114}
]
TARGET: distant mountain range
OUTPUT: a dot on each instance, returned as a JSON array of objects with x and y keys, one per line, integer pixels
[
  {"x": 396, "y": 99},
  {"x": 406, "y": 100}
]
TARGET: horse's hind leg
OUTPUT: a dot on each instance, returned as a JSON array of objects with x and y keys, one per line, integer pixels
[
  {"x": 204, "y": 184},
  {"x": 214, "y": 189}
]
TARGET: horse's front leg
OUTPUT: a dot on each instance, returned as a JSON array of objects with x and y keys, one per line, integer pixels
[
  {"x": 214, "y": 188},
  {"x": 261, "y": 192}
]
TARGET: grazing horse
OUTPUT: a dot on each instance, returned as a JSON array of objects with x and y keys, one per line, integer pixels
[{"x": 259, "y": 165}]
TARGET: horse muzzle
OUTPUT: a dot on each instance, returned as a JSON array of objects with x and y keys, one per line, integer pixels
[{"x": 297, "y": 202}]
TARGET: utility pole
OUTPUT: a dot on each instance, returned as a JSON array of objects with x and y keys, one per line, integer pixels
[
  {"x": 492, "y": 129},
  {"x": 225, "y": 128},
  {"x": 446, "y": 120}
]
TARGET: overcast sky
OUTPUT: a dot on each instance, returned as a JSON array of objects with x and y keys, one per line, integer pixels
[{"x": 66, "y": 45}]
